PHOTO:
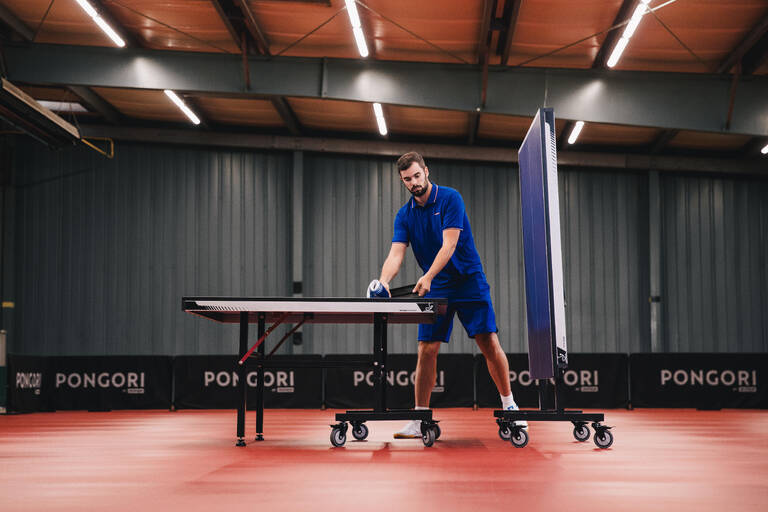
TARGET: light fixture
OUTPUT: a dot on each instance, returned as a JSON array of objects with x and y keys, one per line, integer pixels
[
  {"x": 184, "y": 108},
  {"x": 629, "y": 31},
  {"x": 357, "y": 28},
  {"x": 103, "y": 25},
  {"x": 575, "y": 132},
  {"x": 380, "y": 118},
  {"x": 764, "y": 150}
]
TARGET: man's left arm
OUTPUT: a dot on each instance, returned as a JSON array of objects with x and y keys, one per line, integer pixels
[{"x": 450, "y": 240}]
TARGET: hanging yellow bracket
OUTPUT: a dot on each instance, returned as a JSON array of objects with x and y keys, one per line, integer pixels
[{"x": 109, "y": 152}]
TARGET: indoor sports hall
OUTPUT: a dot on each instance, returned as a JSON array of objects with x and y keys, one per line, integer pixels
[{"x": 309, "y": 255}]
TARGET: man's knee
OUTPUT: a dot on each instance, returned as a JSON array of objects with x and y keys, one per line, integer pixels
[{"x": 429, "y": 349}]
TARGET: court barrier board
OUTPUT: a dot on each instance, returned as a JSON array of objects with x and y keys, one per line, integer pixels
[
  {"x": 210, "y": 382},
  {"x": 590, "y": 381},
  {"x": 704, "y": 381},
  {"x": 352, "y": 387},
  {"x": 94, "y": 383},
  {"x": 600, "y": 381}
]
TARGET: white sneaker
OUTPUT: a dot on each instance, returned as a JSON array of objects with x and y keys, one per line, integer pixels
[
  {"x": 411, "y": 431},
  {"x": 517, "y": 423}
]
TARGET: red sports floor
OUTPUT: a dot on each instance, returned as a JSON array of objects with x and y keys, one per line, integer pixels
[{"x": 158, "y": 460}]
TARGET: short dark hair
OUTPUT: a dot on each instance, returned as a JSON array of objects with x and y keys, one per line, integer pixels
[{"x": 405, "y": 161}]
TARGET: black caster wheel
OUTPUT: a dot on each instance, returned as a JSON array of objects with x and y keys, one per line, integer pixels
[
  {"x": 428, "y": 437},
  {"x": 603, "y": 438},
  {"x": 504, "y": 433},
  {"x": 437, "y": 430},
  {"x": 360, "y": 431},
  {"x": 581, "y": 433},
  {"x": 519, "y": 437},
  {"x": 338, "y": 436}
]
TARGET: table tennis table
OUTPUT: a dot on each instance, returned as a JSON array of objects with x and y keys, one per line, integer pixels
[{"x": 304, "y": 310}]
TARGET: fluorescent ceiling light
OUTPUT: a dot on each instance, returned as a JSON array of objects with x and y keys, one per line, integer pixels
[
  {"x": 103, "y": 25},
  {"x": 380, "y": 118},
  {"x": 354, "y": 18},
  {"x": 765, "y": 150},
  {"x": 634, "y": 21},
  {"x": 184, "y": 108},
  {"x": 63, "y": 106},
  {"x": 617, "y": 51},
  {"x": 362, "y": 47},
  {"x": 575, "y": 132},
  {"x": 357, "y": 29},
  {"x": 88, "y": 8}
]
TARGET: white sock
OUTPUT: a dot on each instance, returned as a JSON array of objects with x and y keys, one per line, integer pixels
[
  {"x": 419, "y": 408},
  {"x": 507, "y": 401}
]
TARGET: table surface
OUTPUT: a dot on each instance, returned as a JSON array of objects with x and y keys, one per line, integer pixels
[{"x": 315, "y": 309}]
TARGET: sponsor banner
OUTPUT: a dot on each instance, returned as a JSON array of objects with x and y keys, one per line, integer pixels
[
  {"x": 352, "y": 387},
  {"x": 590, "y": 381},
  {"x": 705, "y": 381},
  {"x": 100, "y": 383},
  {"x": 29, "y": 383},
  {"x": 211, "y": 382}
]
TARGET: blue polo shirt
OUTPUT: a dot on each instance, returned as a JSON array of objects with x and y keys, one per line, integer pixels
[{"x": 422, "y": 227}]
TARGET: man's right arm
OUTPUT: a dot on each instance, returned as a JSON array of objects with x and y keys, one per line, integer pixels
[{"x": 392, "y": 264}]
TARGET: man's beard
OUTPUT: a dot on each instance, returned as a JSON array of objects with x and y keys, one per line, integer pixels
[{"x": 420, "y": 191}]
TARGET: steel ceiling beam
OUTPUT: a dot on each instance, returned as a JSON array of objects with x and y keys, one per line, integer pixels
[
  {"x": 590, "y": 160},
  {"x": 96, "y": 103},
  {"x": 663, "y": 100},
  {"x": 18, "y": 26},
  {"x": 612, "y": 37},
  {"x": 511, "y": 13},
  {"x": 287, "y": 114},
  {"x": 755, "y": 57},
  {"x": 253, "y": 27}
]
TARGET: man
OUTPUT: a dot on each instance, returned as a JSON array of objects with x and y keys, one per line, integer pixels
[{"x": 436, "y": 226}]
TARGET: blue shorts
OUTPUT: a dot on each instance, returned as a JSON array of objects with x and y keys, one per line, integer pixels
[{"x": 470, "y": 297}]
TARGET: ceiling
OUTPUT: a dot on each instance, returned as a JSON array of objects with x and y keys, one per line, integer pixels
[{"x": 703, "y": 37}]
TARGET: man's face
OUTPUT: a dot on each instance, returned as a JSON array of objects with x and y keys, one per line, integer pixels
[{"x": 416, "y": 179}]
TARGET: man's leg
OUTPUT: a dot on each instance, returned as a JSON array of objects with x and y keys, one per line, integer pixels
[
  {"x": 426, "y": 371},
  {"x": 426, "y": 375},
  {"x": 498, "y": 366}
]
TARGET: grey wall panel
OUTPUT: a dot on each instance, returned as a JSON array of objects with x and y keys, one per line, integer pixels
[
  {"x": 715, "y": 254},
  {"x": 107, "y": 248},
  {"x": 605, "y": 255}
]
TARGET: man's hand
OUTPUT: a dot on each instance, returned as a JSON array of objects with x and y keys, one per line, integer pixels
[{"x": 423, "y": 286}]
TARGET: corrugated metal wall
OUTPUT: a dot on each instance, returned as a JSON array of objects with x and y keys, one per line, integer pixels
[
  {"x": 353, "y": 201},
  {"x": 104, "y": 250},
  {"x": 107, "y": 248},
  {"x": 714, "y": 264}
]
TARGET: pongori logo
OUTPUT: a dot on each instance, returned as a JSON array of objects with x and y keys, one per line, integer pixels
[
  {"x": 400, "y": 378},
  {"x": 743, "y": 381},
  {"x": 585, "y": 381},
  {"x": 130, "y": 382},
  {"x": 29, "y": 380},
  {"x": 282, "y": 381}
]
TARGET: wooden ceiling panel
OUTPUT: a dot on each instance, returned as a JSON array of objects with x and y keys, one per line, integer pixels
[
  {"x": 711, "y": 29},
  {"x": 495, "y": 126},
  {"x": 286, "y": 22},
  {"x": 426, "y": 122},
  {"x": 65, "y": 23},
  {"x": 192, "y": 25},
  {"x": 709, "y": 141},
  {"x": 142, "y": 104},
  {"x": 334, "y": 115},
  {"x": 49, "y": 93},
  {"x": 615, "y": 135},
  {"x": 234, "y": 111},
  {"x": 546, "y": 25}
]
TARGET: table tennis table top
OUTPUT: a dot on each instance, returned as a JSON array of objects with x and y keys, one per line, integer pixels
[{"x": 316, "y": 309}]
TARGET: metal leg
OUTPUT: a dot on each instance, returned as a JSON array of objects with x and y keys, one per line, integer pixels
[
  {"x": 241, "y": 382},
  {"x": 379, "y": 361},
  {"x": 260, "y": 383}
]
